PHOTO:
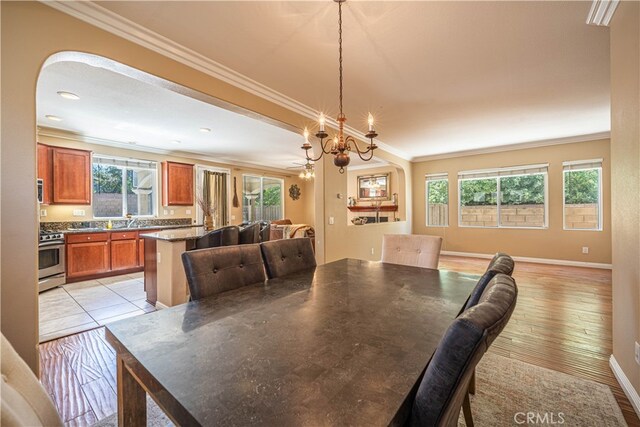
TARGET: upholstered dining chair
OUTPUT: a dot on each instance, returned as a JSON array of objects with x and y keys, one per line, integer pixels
[
  {"x": 500, "y": 263},
  {"x": 443, "y": 388},
  {"x": 287, "y": 256},
  {"x": 215, "y": 270},
  {"x": 415, "y": 250},
  {"x": 24, "y": 400},
  {"x": 249, "y": 234},
  {"x": 225, "y": 236}
]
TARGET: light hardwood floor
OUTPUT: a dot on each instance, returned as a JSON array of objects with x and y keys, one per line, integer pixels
[{"x": 562, "y": 322}]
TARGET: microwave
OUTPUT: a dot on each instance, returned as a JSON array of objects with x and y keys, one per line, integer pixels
[{"x": 40, "y": 190}]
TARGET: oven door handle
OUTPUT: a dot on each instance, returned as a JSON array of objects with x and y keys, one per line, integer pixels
[{"x": 52, "y": 243}]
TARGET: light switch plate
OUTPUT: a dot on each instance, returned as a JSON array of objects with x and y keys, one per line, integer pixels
[
  {"x": 171, "y": 212},
  {"x": 331, "y": 220},
  {"x": 585, "y": 249},
  {"x": 188, "y": 212},
  {"x": 43, "y": 212},
  {"x": 165, "y": 212},
  {"x": 233, "y": 217}
]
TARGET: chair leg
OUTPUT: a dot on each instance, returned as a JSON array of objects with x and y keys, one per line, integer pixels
[
  {"x": 472, "y": 383},
  {"x": 466, "y": 409}
]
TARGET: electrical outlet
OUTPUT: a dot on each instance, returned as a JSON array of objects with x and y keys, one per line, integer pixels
[
  {"x": 637, "y": 353},
  {"x": 585, "y": 249},
  {"x": 188, "y": 212},
  {"x": 233, "y": 217},
  {"x": 43, "y": 212},
  {"x": 371, "y": 251},
  {"x": 78, "y": 212},
  {"x": 165, "y": 212},
  {"x": 171, "y": 212},
  {"x": 331, "y": 220}
]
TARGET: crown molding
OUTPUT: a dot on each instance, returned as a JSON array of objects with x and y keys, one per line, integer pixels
[
  {"x": 76, "y": 137},
  {"x": 601, "y": 12},
  {"x": 104, "y": 19},
  {"x": 518, "y": 146}
]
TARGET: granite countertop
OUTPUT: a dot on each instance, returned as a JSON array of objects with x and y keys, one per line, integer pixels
[
  {"x": 142, "y": 228},
  {"x": 177, "y": 235}
]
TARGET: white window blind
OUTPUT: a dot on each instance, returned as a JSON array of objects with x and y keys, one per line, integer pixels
[
  {"x": 582, "y": 164},
  {"x": 436, "y": 176},
  {"x": 124, "y": 163},
  {"x": 510, "y": 171}
]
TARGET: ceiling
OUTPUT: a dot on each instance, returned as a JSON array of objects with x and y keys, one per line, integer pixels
[
  {"x": 114, "y": 108},
  {"x": 440, "y": 77}
]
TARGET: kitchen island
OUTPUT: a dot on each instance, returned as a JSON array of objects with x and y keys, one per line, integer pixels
[{"x": 164, "y": 279}]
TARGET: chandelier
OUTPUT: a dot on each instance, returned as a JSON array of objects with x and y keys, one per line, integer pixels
[
  {"x": 307, "y": 172},
  {"x": 340, "y": 145}
]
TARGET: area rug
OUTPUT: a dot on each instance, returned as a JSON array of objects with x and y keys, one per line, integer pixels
[
  {"x": 512, "y": 393},
  {"x": 509, "y": 393}
]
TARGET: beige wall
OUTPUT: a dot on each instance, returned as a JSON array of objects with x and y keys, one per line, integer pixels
[
  {"x": 625, "y": 184},
  {"x": 298, "y": 210},
  {"x": 550, "y": 243}
]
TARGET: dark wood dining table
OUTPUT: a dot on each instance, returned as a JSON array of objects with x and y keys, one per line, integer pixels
[{"x": 343, "y": 343}]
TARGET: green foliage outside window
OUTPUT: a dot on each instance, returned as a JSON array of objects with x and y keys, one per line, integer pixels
[
  {"x": 438, "y": 191},
  {"x": 581, "y": 186},
  {"x": 522, "y": 190},
  {"x": 479, "y": 192},
  {"x": 271, "y": 196}
]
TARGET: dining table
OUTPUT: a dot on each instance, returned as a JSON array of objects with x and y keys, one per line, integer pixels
[{"x": 343, "y": 343}]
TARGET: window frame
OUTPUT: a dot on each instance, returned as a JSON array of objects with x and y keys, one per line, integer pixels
[
  {"x": 433, "y": 178},
  {"x": 497, "y": 177},
  {"x": 600, "y": 203},
  {"x": 262, "y": 178},
  {"x": 155, "y": 189}
]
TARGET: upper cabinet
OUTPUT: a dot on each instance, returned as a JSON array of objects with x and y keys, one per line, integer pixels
[
  {"x": 177, "y": 184},
  {"x": 44, "y": 172},
  {"x": 71, "y": 170}
]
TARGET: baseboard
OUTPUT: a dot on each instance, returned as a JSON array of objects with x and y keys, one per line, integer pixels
[
  {"x": 624, "y": 382},
  {"x": 161, "y": 306},
  {"x": 534, "y": 260}
]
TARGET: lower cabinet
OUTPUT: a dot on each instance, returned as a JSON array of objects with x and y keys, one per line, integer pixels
[
  {"x": 95, "y": 254},
  {"x": 124, "y": 254},
  {"x": 87, "y": 258}
]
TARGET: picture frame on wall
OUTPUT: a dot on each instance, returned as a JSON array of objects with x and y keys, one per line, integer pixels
[{"x": 373, "y": 187}]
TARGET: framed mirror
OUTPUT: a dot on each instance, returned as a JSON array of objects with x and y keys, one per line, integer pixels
[{"x": 373, "y": 187}]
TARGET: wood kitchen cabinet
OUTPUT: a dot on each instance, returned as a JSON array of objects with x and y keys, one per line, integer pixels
[
  {"x": 124, "y": 250},
  {"x": 71, "y": 172},
  {"x": 177, "y": 184},
  {"x": 87, "y": 254},
  {"x": 44, "y": 154}
]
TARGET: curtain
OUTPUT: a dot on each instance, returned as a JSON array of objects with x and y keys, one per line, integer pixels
[{"x": 214, "y": 188}]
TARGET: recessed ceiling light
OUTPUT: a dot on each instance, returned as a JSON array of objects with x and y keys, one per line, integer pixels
[
  {"x": 205, "y": 130},
  {"x": 54, "y": 118},
  {"x": 175, "y": 141},
  {"x": 68, "y": 95}
]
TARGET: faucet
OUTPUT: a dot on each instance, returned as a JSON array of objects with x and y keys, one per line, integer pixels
[{"x": 131, "y": 221}]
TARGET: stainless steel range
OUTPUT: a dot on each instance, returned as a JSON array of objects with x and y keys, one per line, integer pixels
[{"x": 51, "y": 260}]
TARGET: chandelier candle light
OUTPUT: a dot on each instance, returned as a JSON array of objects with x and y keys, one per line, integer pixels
[{"x": 340, "y": 145}]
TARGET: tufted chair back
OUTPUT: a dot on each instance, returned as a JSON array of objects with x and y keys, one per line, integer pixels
[
  {"x": 416, "y": 250},
  {"x": 500, "y": 263},
  {"x": 225, "y": 236},
  {"x": 215, "y": 270},
  {"x": 286, "y": 256},
  {"x": 24, "y": 401},
  {"x": 249, "y": 234},
  {"x": 444, "y": 386}
]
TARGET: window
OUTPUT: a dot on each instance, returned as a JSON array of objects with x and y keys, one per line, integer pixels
[
  {"x": 122, "y": 187},
  {"x": 437, "y": 200},
  {"x": 582, "y": 188},
  {"x": 262, "y": 198},
  {"x": 507, "y": 197}
]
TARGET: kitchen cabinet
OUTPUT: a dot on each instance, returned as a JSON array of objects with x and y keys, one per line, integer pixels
[
  {"x": 124, "y": 250},
  {"x": 44, "y": 154},
  {"x": 87, "y": 254},
  {"x": 177, "y": 184},
  {"x": 71, "y": 171}
]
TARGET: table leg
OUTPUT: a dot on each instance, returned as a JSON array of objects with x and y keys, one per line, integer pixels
[{"x": 132, "y": 399}]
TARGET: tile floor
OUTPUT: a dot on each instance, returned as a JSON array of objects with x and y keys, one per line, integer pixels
[{"x": 81, "y": 306}]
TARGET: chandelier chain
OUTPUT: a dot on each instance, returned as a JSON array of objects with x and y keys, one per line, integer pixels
[{"x": 340, "y": 50}]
